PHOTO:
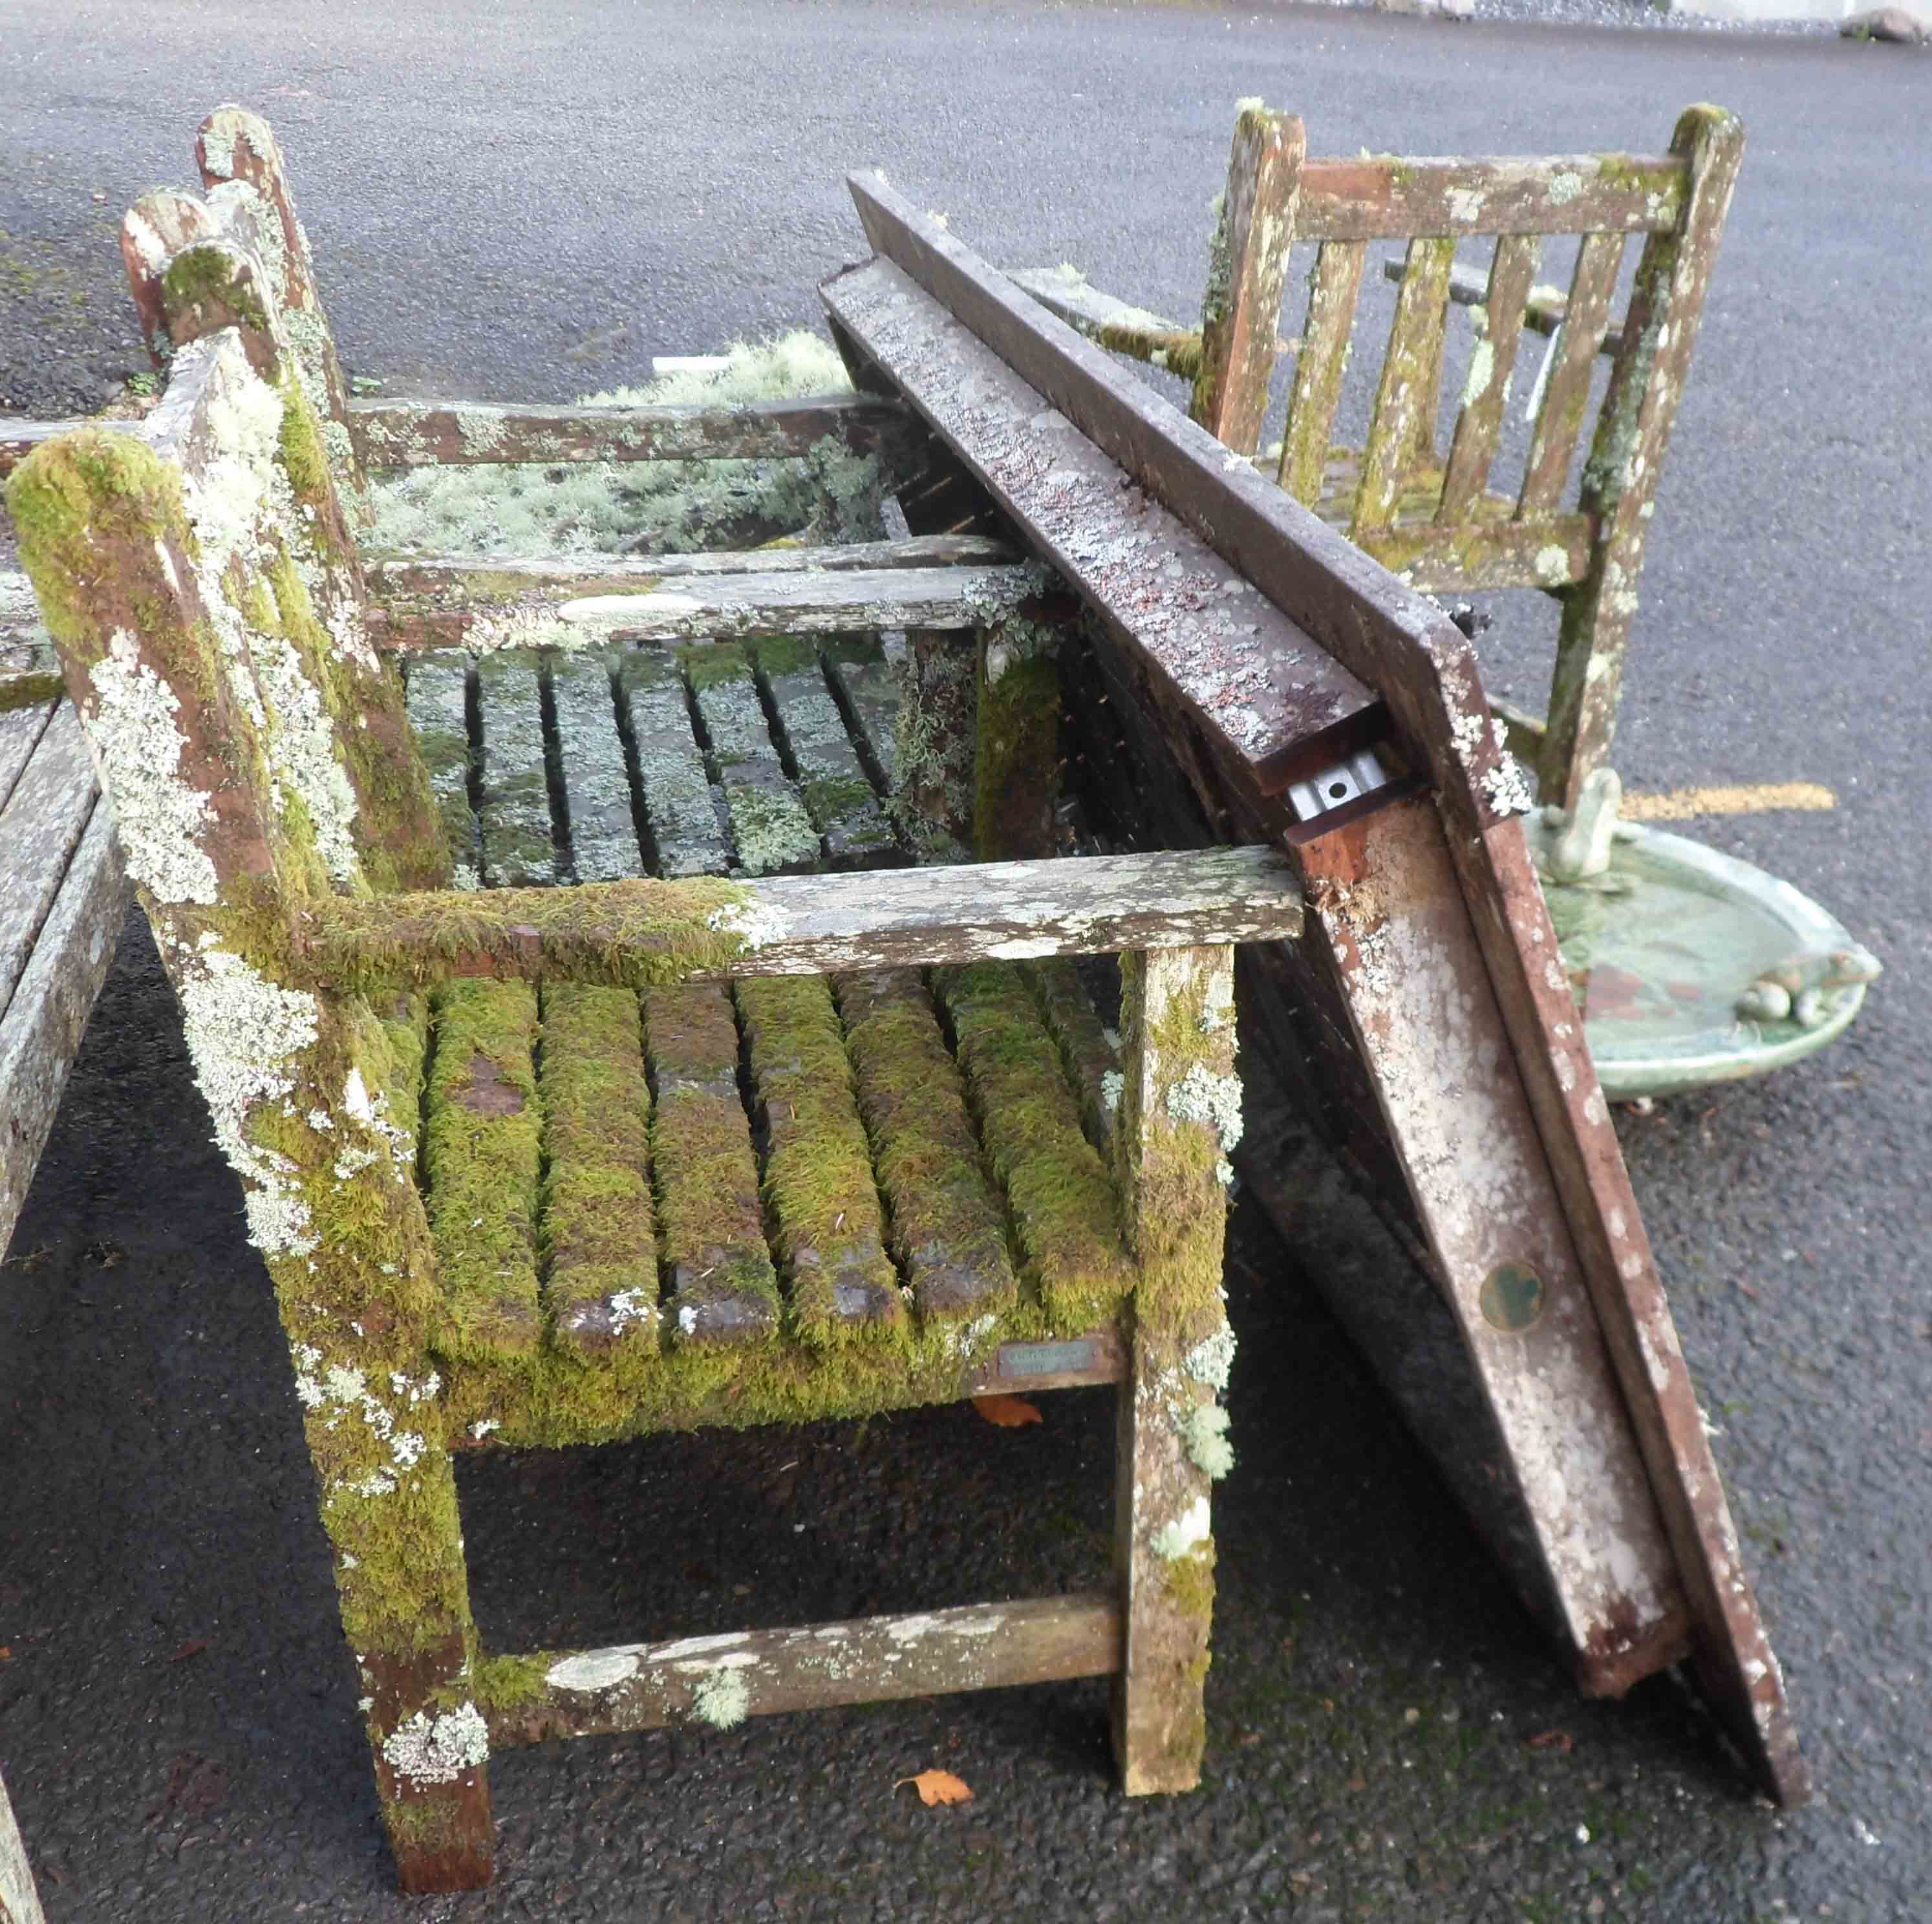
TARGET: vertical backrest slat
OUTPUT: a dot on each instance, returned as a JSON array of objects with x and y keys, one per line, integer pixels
[
  {"x": 1247, "y": 271},
  {"x": 1318, "y": 367},
  {"x": 1405, "y": 400},
  {"x": 1486, "y": 389},
  {"x": 1566, "y": 393}
]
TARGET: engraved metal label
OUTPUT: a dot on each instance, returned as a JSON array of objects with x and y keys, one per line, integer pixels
[{"x": 1048, "y": 1359}]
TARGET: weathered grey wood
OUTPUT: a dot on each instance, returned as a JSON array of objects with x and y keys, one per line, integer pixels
[
  {"x": 19, "y": 1902},
  {"x": 1426, "y": 1018},
  {"x": 724, "y": 604},
  {"x": 1486, "y": 391},
  {"x": 1318, "y": 367},
  {"x": 1247, "y": 271},
  {"x": 1543, "y": 308},
  {"x": 1403, "y": 425},
  {"x": 869, "y": 691},
  {"x": 41, "y": 823},
  {"x": 866, "y": 1660},
  {"x": 1112, "y": 323},
  {"x": 1566, "y": 394},
  {"x": 1385, "y": 197},
  {"x": 450, "y": 597},
  {"x": 413, "y": 433},
  {"x": 819, "y": 1187},
  {"x": 437, "y": 701},
  {"x": 948, "y": 1233},
  {"x": 1619, "y": 483},
  {"x": 41, "y": 1032},
  {"x": 592, "y": 772},
  {"x": 513, "y": 809},
  {"x": 771, "y": 830},
  {"x": 1418, "y": 663},
  {"x": 1229, "y": 655},
  {"x": 686, "y": 833},
  {"x": 20, "y": 732},
  {"x": 837, "y": 791},
  {"x": 724, "y": 1289},
  {"x": 1170, "y": 1448},
  {"x": 815, "y": 924}
]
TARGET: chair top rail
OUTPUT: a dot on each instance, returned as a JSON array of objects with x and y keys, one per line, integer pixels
[
  {"x": 405, "y": 433},
  {"x": 1386, "y": 196},
  {"x": 634, "y": 933}
]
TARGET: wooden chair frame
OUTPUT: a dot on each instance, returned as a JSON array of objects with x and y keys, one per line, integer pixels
[
  {"x": 352, "y": 1018},
  {"x": 1429, "y": 517}
]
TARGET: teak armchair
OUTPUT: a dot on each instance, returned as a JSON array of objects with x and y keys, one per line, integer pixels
[{"x": 539, "y": 1166}]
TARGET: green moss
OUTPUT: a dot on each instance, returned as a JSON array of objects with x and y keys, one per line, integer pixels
[
  {"x": 599, "y": 1235},
  {"x": 482, "y": 1135},
  {"x": 818, "y": 1180},
  {"x": 18, "y": 691},
  {"x": 507, "y": 1682},
  {"x": 213, "y": 284},
  {"x": 1064, "y": 1204},
  {"x": 947, "y": 1231},
  {"x": 784, "y": 654},
  {"x": 1189, "y": 1582},
  {"x": 1016, "y": 764}
]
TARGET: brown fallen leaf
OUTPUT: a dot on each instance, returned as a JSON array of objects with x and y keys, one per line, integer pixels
[
  {"x": 1009, "y": 1413},
  {"x": 192, "y": 1648},
  {"x": 1559, "y": 1741},
  {"x": 938, "y": 1786}
]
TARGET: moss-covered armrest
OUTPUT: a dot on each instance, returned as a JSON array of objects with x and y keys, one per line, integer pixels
[{"x": 638, "y": 934}]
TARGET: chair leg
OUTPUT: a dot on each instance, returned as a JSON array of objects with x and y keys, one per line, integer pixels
[
  {"x": 1179, "y": 1113},
  {"x": 403, "y": 1591}
]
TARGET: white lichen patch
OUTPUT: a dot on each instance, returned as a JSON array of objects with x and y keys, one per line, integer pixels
[
  {"x": 1185, "y": 1534},
  {"x": 595, "y": 1670},
  {"x": 1212, "y": 1360},
  {"x": 438, "y": 1750},
  {"x": 136, "y": 749},
  {"x": 244, "y": 1033},
  {"x": 721, "y": 1699},
  {"x": 1204, "y": 1433},
  {"x": 755, "y": 923},
  {"x": 1202, "y": 1096},
  {"x": 1112, "y": 1083}
]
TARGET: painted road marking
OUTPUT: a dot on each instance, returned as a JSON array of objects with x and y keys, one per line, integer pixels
[{"x": 1682, "y": 804}]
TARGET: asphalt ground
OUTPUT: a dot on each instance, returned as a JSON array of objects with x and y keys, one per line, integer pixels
[{"x": 530, "y": 204}]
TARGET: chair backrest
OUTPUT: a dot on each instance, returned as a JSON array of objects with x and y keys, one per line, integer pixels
[
  {"x": 202, "y": 580},
  {"x": 1432, "y": 518}
]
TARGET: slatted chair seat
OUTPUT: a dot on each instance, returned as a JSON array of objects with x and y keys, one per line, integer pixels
[{"x": 575, "y": 1092}]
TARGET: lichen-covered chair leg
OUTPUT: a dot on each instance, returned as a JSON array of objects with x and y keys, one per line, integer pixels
[
  {"x": 1016, "y": 762},
  {"x": 1179, "y": 1114}
]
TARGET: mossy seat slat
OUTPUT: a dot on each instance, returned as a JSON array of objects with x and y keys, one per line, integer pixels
[
  {"x": 672, "y": 780},
  {"x": 837, "y": 793},
  {"x": 437, "y": 698},
  {"x": 483, "y": 1143},
  {"x": 591, "y": 775},
  {"x": 599, "y": 1232},
  {"x": 519, "y": 851},
  {"x": 723, "y": 1287},
  {"x": 818, "y": 1178},
  {"x": 949, "y": 1233},
  {"x": 771, "y": 828},
  {"x": 1086, "y": 1052},
  {"x": 1063, "y": 1202}
]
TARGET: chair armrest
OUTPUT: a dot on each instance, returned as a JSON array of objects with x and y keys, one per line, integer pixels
[{"x": 636, "y": 933}]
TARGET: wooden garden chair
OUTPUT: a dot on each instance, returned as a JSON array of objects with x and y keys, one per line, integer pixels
[
  {"x": 492, "y": 1142},
  {"x": 1426, "y": 510}
]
